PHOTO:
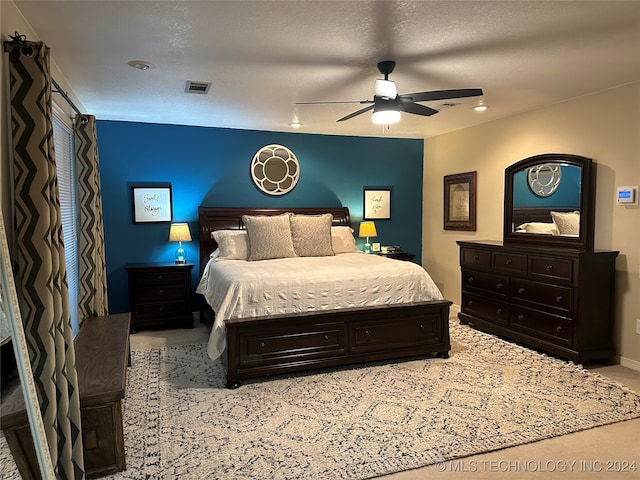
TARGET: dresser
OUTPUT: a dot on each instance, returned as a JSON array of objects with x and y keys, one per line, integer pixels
[
  {"x": 558, "y": 300},
  {"x": 160, "y": 295}
]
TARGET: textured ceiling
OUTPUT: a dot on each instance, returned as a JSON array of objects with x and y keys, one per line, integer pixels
[{"x": 263, "y": 57}]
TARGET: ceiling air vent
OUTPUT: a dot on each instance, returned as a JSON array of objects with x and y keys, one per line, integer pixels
[{"x": 197, "y": 87}]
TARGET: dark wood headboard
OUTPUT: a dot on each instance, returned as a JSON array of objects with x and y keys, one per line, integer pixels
[{"x": 211, "y": 219}]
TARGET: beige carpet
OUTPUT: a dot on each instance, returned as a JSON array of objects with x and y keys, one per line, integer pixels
[{"x": 353, "y": 422}]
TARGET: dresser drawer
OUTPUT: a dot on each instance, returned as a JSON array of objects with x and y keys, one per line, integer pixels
[
  {"x": 548, "y": 267},
  {"x": 543, "y": 325},
  {"x": 510, "y": 262},
  {"x": 494, "y": 311},
  {"x": 551, "y": 296},
  {"x": 160, "y": 293},
  {"x": 470, "y": 257},
  {"x": 487, "y": 282}
]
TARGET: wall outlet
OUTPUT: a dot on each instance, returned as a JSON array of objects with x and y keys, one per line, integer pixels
[{"x": 638, "y": 326}]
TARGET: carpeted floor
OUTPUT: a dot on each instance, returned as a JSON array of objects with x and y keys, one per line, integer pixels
[{"x": 352, "y": 423}]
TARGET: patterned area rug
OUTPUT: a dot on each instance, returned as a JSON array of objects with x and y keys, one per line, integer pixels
[{"x": 352, "y": 423}]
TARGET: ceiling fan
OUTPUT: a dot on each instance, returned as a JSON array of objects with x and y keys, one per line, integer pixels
[{"x": 387, "y": 104}]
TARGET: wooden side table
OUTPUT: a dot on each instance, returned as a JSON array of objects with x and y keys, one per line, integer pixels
[
  {"x": 160, "y": 295},
  {"x": 407, "y": 257}
]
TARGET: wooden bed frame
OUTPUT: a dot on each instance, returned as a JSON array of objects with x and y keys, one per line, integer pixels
[{"x": 263, "y": 346}]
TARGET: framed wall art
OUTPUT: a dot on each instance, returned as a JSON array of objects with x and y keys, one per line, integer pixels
[
  {"x": 377, "y": 203},
  {"x": 460, "y": 201},
  {"x": 151, "y": 203}
]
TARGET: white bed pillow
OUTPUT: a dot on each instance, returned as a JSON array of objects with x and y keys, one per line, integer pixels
[
  {"x": 568, "y": 223},
  {"x": 269, "y": 237},
  {"x": 232, "y": 244},
  {"x": 311, "y": 235},
  {"x": 539, "y": 227},
  {"x": 343, "y": 241}
]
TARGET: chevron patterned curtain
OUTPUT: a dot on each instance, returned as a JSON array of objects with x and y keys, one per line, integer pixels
[
  {"x": 40, "y": 273},
  {"x": 92, "y": 289}
]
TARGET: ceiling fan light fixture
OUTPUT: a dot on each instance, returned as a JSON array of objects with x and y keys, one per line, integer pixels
[
  {"x": 385, "y": 89},
  {"x": 385, "y": 117}
]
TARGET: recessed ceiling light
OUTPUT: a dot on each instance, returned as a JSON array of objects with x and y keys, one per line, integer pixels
[
  {"x": 295, "y": 124},
  {"x": 140, "y": 64},
  {"x": 480, "y": 108}
]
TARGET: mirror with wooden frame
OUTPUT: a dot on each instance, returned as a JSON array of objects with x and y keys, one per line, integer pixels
[{"x": 550, "y": 201}]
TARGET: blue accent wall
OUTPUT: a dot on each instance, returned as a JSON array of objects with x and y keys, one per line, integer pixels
[
  {"x": 567, "y": 195},
  {"x": 210, "y": 166}
]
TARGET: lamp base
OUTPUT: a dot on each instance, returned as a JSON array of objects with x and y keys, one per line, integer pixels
[
  {"x": 367, "y": 247},
  {"x": 181, "y": 262},
  {"x": 181, "y": 255}
]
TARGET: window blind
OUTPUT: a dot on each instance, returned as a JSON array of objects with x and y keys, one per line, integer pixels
[{"x": 65, "y": 156}]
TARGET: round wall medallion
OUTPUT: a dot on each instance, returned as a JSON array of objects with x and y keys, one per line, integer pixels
[
  {"x": 544, "y": 178},
  {"x": 275, "y": 169}
]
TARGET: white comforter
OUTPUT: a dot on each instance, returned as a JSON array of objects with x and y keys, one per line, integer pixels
[{"x": 242, "y": 289}]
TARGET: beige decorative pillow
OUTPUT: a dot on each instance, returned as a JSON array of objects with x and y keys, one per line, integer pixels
[
  {"x": 539, "y": 227},
  {"x": 269, "y": 237},
  {"x": 343, "y": 241},
  {"x": 232, "y": 244},
  {"x": 311, "y": 235},
  {"x": 568, "y": 223}
]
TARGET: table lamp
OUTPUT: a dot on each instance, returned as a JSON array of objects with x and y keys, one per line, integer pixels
[
  {"x": 179, "y": 232},
  {"x": 367, "y": 229}
]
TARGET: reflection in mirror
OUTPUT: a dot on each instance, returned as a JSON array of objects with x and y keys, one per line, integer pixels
[
  {"x": 549, "y": 201},
  {"x": 545, "y": 197}
]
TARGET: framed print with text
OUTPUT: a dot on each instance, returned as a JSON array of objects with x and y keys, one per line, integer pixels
[
  {"x": 460, "y": 201},
  {"x": 151, "y": 204},
  {"x": 377, "y": 204}
]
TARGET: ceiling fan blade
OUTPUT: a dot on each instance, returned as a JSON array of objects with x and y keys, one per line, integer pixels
[
  {"x": 443, "y": 94},
  {"x": 417, "y": 109},
  {"x": 356, "y": 113},
  {"x": 348, "y": 101}
]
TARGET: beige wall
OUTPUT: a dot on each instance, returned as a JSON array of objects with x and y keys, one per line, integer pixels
[{"x": 604, "y": 127}]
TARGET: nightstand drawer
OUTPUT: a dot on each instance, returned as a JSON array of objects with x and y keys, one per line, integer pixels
[
  {"x": 159, "y": 310},
  {"x": 160, "y": 293},
  {"x": 158, "y": 278}
]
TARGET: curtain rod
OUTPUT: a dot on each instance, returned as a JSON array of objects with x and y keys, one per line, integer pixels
[{"x": 26, "y": 50}]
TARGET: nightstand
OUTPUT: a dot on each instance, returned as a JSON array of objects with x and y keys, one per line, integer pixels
[
  {"x": 407, "y": 257},
  {"x": 160, "y": 295}
]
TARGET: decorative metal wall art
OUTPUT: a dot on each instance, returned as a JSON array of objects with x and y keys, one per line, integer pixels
[{"x": 275, "y": 169}]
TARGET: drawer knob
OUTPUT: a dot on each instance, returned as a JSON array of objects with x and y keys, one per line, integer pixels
[
  {"x": 470, "y": 280},
  {"x": 520, "y": 317},
  {"x": 559, "y": 328},
  {"x": 509, "y": 261},
  {"x": 476, "y": 257},
  {"x": 498, "y": 286},
  {"x": 521, "y": 290},
  {"x": 159, "y": 277},
  {"x": 326, "y": 338},
  {"x": 559, "y": 298},
  {"x": 366, "y": 332},
  {"x": 499, "y": 311},
  {"x": 262, "y": 345},
  {"x": 160, "y": 293},
  {"x": 548, "y": 268},
  {"x": 469, "y": 303},
  {"x": 161, "y": 308},
  {"x": 422, "y": 327}
]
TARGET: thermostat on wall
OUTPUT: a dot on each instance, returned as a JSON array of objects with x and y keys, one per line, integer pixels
[{"x": 627, "y": 195}]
